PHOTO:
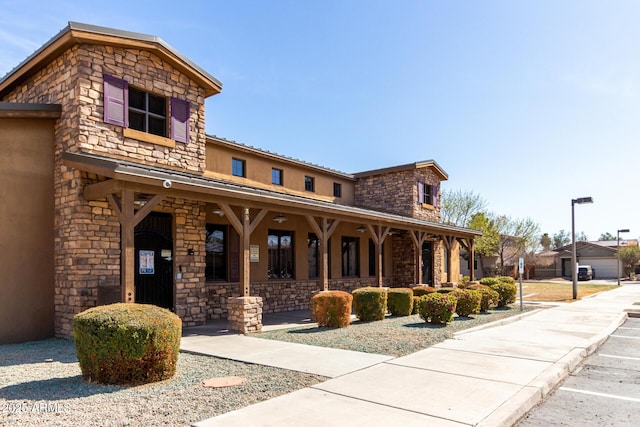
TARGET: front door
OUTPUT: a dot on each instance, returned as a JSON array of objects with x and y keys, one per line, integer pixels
[
  {"x": 154, "y": 260},
  {"x": 427, "y": 263}
]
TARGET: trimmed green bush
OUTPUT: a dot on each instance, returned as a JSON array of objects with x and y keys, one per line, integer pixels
[
  {"x": 437, "y": 308},
  {"x": 507, "y": 279},
  {"x": 420, "y": 290},
  {"x": 468, "y": 302},
  {"x": 507, "y": 293},
  {"x": 127, "y": 343},
  {"x": 445, "y": 290},
  {"x": 414, "y": 309},
  {"x": 332, "y": 309},
  {"x": 400, "y": 301},
  {"x": 488, "y": 281},
  {"x": 490, "y": 297},
  {"x": 370, "y": 303}
]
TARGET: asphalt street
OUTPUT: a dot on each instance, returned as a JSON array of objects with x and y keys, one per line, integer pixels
[{"x": 603, "y": 391}]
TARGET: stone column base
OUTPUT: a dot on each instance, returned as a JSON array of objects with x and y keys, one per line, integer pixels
[{"x": 244, "y": 314}]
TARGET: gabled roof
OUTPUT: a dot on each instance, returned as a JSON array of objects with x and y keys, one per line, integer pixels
[
  {"x": 586, "y": 245},
  {"x": 408, "y": 166},
  {"x": 75, "y": 33}
]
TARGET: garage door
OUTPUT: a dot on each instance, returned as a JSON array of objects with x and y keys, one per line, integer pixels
[{"x": 604, "y": 268}]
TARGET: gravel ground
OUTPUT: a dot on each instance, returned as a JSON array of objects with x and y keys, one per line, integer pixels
[
  {"x": 393, "y": 336},
  {"x": 36, "y": 392},
  {"x": 41, "y": 383}
]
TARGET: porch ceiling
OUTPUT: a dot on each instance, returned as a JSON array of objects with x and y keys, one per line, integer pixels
[{"x": 148, "y": 179}]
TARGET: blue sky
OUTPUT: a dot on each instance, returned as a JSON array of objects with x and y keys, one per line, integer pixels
[{"x": 528, "y": 103}]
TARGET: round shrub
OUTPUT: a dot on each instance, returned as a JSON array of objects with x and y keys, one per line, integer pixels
[
  {"x": 488, "y": 281},
  {"x": 127, "y": 343},
  {"x": 507, "y": 279},
  {"x": 437, "y": 308},
  {"x": 370, "y": 303},
  {"x": 468, "y": 302},
  {"x": 489, "y": 299},
  {"x": 507, "y": 293},
  {"x": 400, "y": 301},
  {"x": 332, "y": 309},
  {"x": 414, "y": 309},
  {"x": 420, "y": 290}
]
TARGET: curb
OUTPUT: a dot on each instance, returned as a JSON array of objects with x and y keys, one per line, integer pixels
[{"x": 500, "y": 322}]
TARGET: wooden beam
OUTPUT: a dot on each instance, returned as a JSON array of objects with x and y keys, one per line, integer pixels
[
  {"x": 127, "y": 248},
  {"x": 256, "y": 220},
  {"x": 314, "y": 225},
  {"x": 102, "y": 189},
  {"x": 116, "y": 207},
  {"x": 231, "y": 216},
  {"x": 418, "y": 238},
  {"x": 245, "y": 265},
  {"x": 147, "y": 208},
  {"x": 473, "y": 261}
]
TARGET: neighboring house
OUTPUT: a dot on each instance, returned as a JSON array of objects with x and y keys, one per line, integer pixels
[
  {"x": 602, "y": 256},
  {"x": 113, "y": 192}
]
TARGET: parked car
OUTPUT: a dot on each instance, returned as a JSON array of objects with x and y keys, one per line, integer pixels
[{"x": 585, "y": 272}]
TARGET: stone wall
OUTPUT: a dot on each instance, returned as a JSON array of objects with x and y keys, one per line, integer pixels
[
  {"x": 87, "y": 234},
  {"x": 278, "y": 296},
  {"x": 397, "y": 192}
]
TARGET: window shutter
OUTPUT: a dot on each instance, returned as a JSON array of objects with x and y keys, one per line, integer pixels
[
  {"x": 434, "y": 195},
  {"x": 180, "y": 120},
  {"x": 116, "y": 101},
  {"x": 420, "y": 192}
]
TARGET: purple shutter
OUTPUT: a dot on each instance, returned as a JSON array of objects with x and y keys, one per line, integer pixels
[
  {"x": 116, "y": 101},
  {"x": 420, "y": 192},
  {"x": 434, "y": 195},
  {"x": 180, "y": 120}
]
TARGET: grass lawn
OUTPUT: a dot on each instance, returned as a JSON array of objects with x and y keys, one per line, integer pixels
[{"x": 558, "y": 292}]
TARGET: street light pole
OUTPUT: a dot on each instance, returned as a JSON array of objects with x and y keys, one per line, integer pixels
[
  {"x": 624, "y": 230},
  {"x": 574, "y": 269}
]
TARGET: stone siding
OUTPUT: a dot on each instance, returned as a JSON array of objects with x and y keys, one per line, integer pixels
[
  {"x": 397, "y": 192},
  {"x": 404, "y": 261}
]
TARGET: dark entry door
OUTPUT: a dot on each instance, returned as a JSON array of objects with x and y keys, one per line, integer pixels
[
  {"x": 427, "y": 263},
  {"x": 154, "y": 260}
]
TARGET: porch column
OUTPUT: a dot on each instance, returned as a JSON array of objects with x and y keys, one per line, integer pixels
[
  {"x": 323, "y": 231},
  {"x": 378, "y": 235},
  {"x": 469, "y": 247},
  {"x": 418, "y": 238}
]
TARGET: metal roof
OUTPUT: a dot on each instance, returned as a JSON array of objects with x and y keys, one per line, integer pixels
[{"x": 197, "y": 183}]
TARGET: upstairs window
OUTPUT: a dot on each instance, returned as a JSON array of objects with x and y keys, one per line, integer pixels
[
  {"x": 309, "y": 184},
  {"x": 427, "y": 194},
  {"x": 238, "y": 167},
  {"x": 145, "y": 112},
  {"x": 337, "y": 189},
  {"x": 276, "y": 176}
]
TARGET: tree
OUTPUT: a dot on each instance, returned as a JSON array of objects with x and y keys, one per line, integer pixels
[
  {"x": 581, "y": 237},
  {"x": 518, "y": 237},
  {"x": 629, "y": 257},
  {"x": 607, "y": 236},
  {"x": 561, "y": 238},
  {"x": 545, "y": 241},
  {"x": 459, "y": 207},
  {"x": 487, "y": 244}
]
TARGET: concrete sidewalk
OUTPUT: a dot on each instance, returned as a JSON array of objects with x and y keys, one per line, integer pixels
[{"x": 488, "y": 377}]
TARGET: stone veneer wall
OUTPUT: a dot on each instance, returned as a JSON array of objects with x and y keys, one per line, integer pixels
[
  {"x": 278, "y": 296},
  {"x": 397, "y": 192},
  {"x": 87, "y": 245},
  {"x": 404, "y": 261}
]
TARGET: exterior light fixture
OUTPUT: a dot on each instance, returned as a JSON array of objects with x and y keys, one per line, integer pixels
[
  {"x": 624, "y": 230},
  {"x": 574, "y": 266},
  {"x": 218, "y": 212},
  {"x": 280, "y": 218},
  {"x": 361, "y": 229}
]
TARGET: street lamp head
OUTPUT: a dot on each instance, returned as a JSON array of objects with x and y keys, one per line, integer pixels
[
  {"x": 624, "y": 230},
  {"x": 582, "y": 200}
]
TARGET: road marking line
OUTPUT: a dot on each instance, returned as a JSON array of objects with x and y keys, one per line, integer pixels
[
  {"x": 595, "y": 393},
  {"x": 619, "y": 357},
  {"x": 626, "y": 336}
]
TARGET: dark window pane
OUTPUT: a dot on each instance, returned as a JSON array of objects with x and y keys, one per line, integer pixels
[
  {"x": 216, "y": 252},
  {"x": 337, "y": 189},
  {"x": 157, "y": 105},
  {"x": 136, "y": 121},
  {"x": 237, "y": 167},
  {"x": 276, "y": 176},
  {"x": 309, "y": 184},
  {"x": 350, "y": 257},
  {"x": 157, "y": 126},
  {"x": 280, "y": 254},
  {"x": 137, "y": 99},
  {"x": 313, "y": 246}
]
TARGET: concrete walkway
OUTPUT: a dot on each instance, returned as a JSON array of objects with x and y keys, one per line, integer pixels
[{"x": 488, "y": 376}]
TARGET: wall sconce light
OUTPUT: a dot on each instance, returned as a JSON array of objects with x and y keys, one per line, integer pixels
[
  {"x": 361, "y": 229},
  {"x": 280, "y": 218},
  {"x": 190, "y": 252},
  {"x": 391, "y": 232},
  {"x": 218, "y": 212}
]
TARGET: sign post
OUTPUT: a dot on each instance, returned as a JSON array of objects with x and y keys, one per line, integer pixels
[{"x": 520, "y": 271}]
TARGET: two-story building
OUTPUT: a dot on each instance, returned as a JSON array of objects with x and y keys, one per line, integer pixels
[{"x": 114, "y": 192}]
